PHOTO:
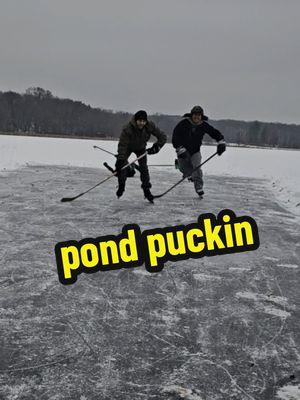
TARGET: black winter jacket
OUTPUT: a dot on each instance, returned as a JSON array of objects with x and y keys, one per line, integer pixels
[{"x": 190, "y": 135}]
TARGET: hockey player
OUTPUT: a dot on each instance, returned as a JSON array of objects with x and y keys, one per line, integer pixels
[
  {"x": 133, "y": 139},
  {"x": 187, "y": 140}
]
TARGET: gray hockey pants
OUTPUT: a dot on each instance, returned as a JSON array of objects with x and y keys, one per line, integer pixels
[{"x": 187, "y": 164}]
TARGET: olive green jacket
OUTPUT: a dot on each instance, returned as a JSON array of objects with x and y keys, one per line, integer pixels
[{"x": 133, "y": 139}]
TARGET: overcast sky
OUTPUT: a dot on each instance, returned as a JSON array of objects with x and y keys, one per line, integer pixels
[{"x": 239, "y": 59}]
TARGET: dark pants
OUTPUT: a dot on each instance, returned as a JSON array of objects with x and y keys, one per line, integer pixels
[{"x": 144, "y": 171}]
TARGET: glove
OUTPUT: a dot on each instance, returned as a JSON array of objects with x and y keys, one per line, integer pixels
[
  {"x": 154, "y": 149},
  {"x": 119, "y": 165},
  {"x": 221, "y": 147},
  {"x": 181, "y": 152},
  {"x": 130, "y": 171}
]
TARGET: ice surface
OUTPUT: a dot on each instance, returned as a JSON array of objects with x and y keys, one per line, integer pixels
[{"x": 223, "y": 327}]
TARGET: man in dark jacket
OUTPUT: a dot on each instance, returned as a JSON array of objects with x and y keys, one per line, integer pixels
[
  {"x": 187, "y": 140},
  {"x": 133, "y": 139}
]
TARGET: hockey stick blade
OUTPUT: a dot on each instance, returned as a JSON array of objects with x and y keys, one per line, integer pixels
[{"x": 65, "y": 199}]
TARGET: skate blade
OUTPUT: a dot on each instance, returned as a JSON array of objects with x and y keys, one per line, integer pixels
[{"x": 150, "y": 201}]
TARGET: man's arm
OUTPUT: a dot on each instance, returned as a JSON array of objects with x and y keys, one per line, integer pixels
[
  {"x": 160, "y": 135},
  {"x": 161, "y": 139},
  {"x": 177, "y": 136},
  {"x": 213, "y": 132},
  {"x": 217, "y": 135},
  {"x": 123, "y": 145}
]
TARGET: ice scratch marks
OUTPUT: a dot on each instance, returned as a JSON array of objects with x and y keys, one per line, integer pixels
[
  {"x": 276, "y": 306},
  {"x": 202, "y": 358},
  {"x": 75, "y": 329},
  {"x": 282, "y": 323},
  {"x": 276, "y": 301},
  {"x": 294, "y": 347},
  {"x": 276, "y": 262},
  {"x": 261, "y": 373}
]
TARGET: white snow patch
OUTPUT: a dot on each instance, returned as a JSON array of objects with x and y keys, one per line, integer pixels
[
  {"x": 268, "y": 309},
  {"x": 263, "y": 353},
  {"x": 184, "y": 310},
  {"x": 228, "y": 362},
  {"x": 17, "y": 151},
  {"x": 262, "y": 297},
  {"x": 277, "y": 312},
  {"x": 170, "y": 319},
  {"x": 183, "y": 393},
  {"x": 205, "y": 277},
  {"x": 238, "y": 269},
  {"x": 248, "y": 296},
  {"x": 141, "y": 271},
  {"x": 289, "y": 392},
  {"x": 166, "y": 316},
  {"x": 271, "y": 258},
  {"x": 288, "y": 266},
  {"x": 282, "y": 301}
]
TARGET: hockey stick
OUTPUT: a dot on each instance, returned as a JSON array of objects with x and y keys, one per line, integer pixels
[
  {"x": 108, "y": 167},
  {"x": 115, "y": 155},
  {"x": 135, "y": 166},
  {"x": 64, "y": 199},
  {"x": 185, "y": 177},
  {"x": 106, "y": 151}
]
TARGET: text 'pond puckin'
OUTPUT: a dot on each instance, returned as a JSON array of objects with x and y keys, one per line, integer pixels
[{"x": 210, "y": 236}]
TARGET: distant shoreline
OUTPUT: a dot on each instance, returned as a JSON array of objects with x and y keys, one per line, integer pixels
[
  {"x": 111, "y": 138},
  {"x": 58, "y": 136}
]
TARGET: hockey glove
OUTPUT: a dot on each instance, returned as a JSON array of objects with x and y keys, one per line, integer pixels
[
  {"x": 181, "y": 152},
  {"x": 130, "y": 171},
  {"x": 154, "y": 149},
  {"x": 221, "y": 147}
]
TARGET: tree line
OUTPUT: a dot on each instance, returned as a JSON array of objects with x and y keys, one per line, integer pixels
[{"x": 38, "y": 112}]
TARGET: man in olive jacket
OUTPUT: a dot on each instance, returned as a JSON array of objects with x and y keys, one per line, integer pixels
[{"x": 133, "y": 139}]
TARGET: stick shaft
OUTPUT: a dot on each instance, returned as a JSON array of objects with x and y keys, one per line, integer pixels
[
  {"x": 106, "y": 151},
  {"x": 103, "y": 180},
  {"x": 181, "y": 180}
]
